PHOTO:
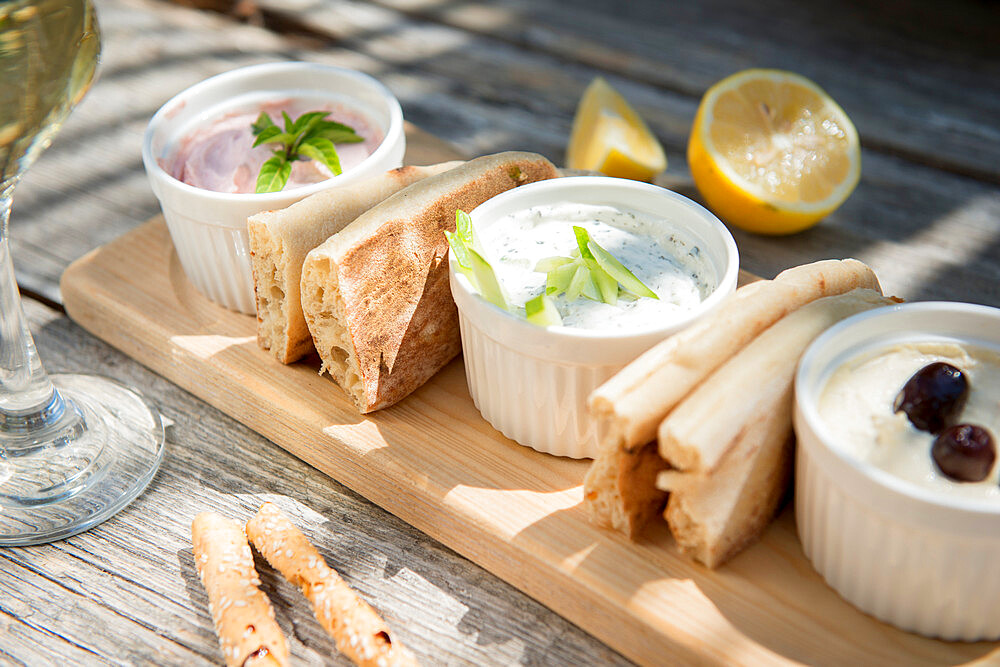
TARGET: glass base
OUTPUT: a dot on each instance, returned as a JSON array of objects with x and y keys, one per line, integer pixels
[{"x": 94, "y": 460}]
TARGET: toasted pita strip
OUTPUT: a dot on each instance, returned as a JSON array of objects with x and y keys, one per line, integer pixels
[
  {"x": 376, "y": 295},
  {"x": 244, "y": 619},
  {"x": 714, "y": 517},
  {"x": 357, "y": 629},
  {"x": 704, "y": 426},
  {"x": 620, "y": 490},
  {"x": 630, "y": 405},
  {"x": 280, "y": 240},
  {"x": 635, "y": 400},
  {"x": 732, "y": 435}
]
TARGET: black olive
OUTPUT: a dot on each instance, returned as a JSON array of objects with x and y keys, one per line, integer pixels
[
  {"x": 934, "y": 397},
  {"x": 964, "y": 452}
]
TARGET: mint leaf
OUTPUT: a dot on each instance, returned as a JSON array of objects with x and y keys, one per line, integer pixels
[
  {"x": 307, "y": 121},
  {"x": 273, "y": 174},
  {"x": 271, "y": 134},
  {"x": 262, "y": 123},
  {"x": 336, "y": 132},
  {"x": 322, "y": 150},
  {"x": 310, "y": 136}
]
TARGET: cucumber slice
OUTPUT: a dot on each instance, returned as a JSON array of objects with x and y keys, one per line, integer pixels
[
  {"x": 576, "y": 285},
  {"x": 551, "y": 263},
  {"x": 582, "y": 239},
  {"x": 557, "y": 281},
  {"x": 590, "y": 288},
  {"x": 459, "y": 249},
  {"x": 605, "y": 283},
  {"x": 542, "y": 311},
  {"x": 618, "y": 271},
  {"x": 463, "y": 227},
  {"x": 489, "y": 287}
]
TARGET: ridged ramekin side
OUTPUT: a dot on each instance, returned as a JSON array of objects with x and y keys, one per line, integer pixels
[
  {"x": 537, "y": 403},
  {"x": 919, "y": 580},
  {"x": 215, "y": 258}
]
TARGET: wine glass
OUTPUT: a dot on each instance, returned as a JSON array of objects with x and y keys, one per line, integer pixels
[{"x": 74, "y": 449}]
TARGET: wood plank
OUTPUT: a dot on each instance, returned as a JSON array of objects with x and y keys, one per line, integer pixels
[
  {"x": 929, "y": 234},
  {"x": 433, "y": 461},
  {"x": 54, "y": 606},
  {"x": 133, "y": 577},
  {"x": 933, "y": 114}
]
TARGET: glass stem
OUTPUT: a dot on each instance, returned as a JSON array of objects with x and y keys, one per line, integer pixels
[{"x": 28, "y": 401}]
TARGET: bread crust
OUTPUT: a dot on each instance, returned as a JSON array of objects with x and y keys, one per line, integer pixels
[
  {"x": 376, "y": 296},
  {"x": 281, "y": 239},
  {"x": 631, "y": 405},
  {"x": 728, "y": 442}
]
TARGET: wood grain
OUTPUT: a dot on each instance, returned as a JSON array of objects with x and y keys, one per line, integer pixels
[
  {"x": 918, "y": 78},
  {"x": 133, "y": 577},
  {"x": 126, "y": 592},
  {"x": 434, "y": 462},
  {"x": 508, "y": 76}
]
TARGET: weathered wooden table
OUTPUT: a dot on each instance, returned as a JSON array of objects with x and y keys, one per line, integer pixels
[{"x": 921, "y": 82}]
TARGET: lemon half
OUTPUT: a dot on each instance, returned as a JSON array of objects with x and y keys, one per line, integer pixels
[
  {"x": 771, "y": 152},
  {"x": 610, "y": 137}
]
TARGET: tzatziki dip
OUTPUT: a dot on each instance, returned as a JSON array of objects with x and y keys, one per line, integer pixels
[
  {"x": 858, "y": 406},
  {"x": 667, "y": 262}
]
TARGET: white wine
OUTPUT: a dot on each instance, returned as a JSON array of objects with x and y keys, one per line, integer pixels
[
  {"x": 48, "y": 54},
  {"x": 74, "y": 449}
]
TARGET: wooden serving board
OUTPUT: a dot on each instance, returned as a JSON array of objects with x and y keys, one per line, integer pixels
[{"x": 434, "y": 462}]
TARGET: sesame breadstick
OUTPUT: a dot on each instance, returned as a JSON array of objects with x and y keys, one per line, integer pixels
[
  {"x": 244, "y": 619},
  {"x": 358, "y": 630}
]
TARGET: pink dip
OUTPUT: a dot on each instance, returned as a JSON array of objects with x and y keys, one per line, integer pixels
[{"x": 219, "y": 156}]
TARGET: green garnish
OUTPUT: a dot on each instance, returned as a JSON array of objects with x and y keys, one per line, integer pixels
[
  {"x": 472, "y": 263},
  {"x": 542, "y": 311},
  {"x": 616, "y": 269},
  {"x": 308, "y": 137},
  {"x": 486, "y": 280},
  {"x": 590, "y": 271}
]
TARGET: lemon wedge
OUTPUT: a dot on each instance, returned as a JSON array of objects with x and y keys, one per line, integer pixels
[
  {"x": 609, "y": 136},
  {"x": 771, "y": 152}
]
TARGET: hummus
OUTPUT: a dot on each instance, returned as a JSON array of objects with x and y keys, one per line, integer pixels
[
  {"x": 670, "y": 265},
  {"x": 856, "y": 406},
  {"x": 218, "y": 155}
]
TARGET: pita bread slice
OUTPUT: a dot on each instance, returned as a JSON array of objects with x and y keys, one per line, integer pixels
[
  {"x": 714, "y": 517},
  {"x": 630, "y": 405},
  {"x": 376, "y": 296},
  {"x": 728, "y": 442},
  {"x": 280, "y": 240}
]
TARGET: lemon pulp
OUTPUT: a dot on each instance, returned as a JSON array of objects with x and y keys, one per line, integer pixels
[
  {"x": 771, "y": 152},
  {"x": 610, "y": 137}
]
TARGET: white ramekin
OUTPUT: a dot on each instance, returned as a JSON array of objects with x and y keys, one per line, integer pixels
[
  {"x": 913, "y": 558},
  {"x": 530, "y": 382},
  {"x": 209, "y": 228}
]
